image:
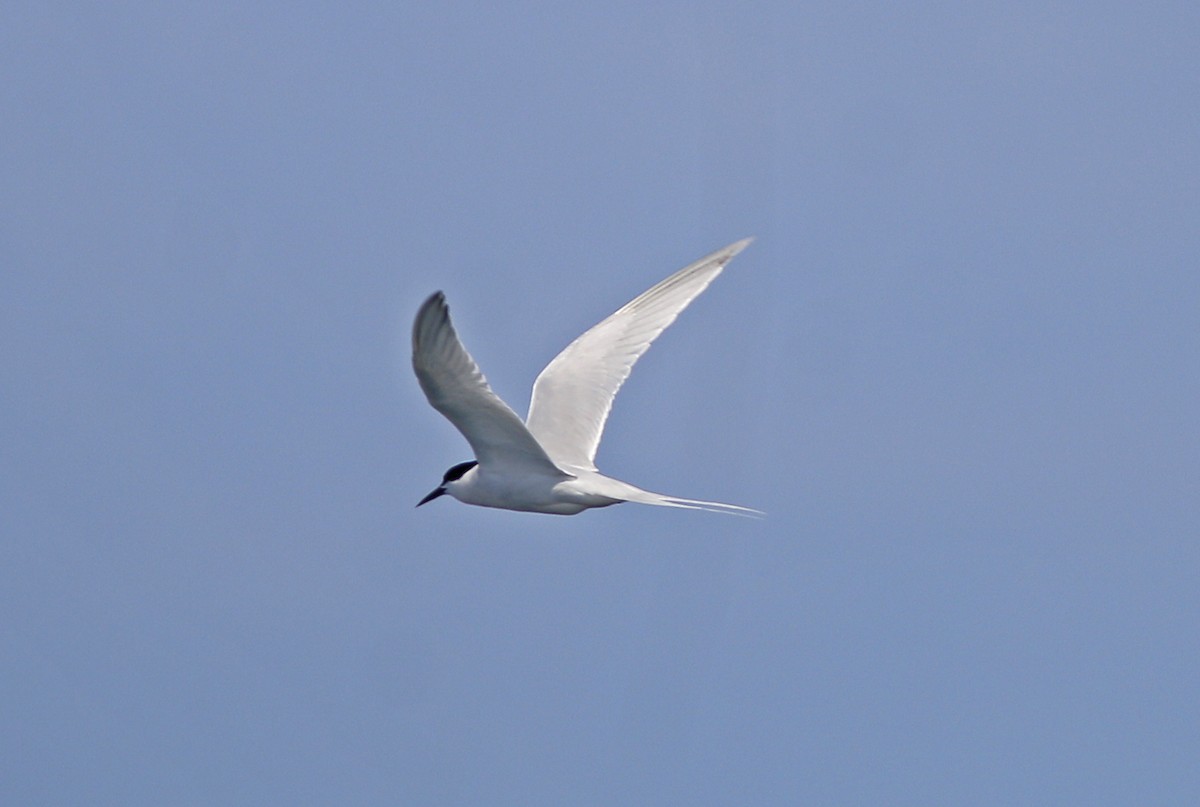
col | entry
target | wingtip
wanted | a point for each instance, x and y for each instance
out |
(433, 302)
(434, 309)
(738, 246)
(725, 255)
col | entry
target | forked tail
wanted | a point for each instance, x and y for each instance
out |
(646, 497)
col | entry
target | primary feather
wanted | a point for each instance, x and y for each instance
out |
(573, 395)
(455, 386)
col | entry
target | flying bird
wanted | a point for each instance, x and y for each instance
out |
(547, 463)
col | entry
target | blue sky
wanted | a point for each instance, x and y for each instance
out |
(958, 368)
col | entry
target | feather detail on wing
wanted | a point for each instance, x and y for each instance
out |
(573, 395)
(456, 387)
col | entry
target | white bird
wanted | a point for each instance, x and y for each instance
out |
(546, 464)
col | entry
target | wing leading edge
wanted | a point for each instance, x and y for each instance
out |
(573, 395)
(456, 387)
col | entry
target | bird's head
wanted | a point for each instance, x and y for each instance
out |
(451, 478)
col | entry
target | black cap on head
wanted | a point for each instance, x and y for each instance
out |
(457, 471)
(453, 475)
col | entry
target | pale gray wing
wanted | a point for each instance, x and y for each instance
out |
(573, 395)
(455, 387)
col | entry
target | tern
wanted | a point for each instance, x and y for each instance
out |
(547, 463)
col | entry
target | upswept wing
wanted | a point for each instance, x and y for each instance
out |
(455, 387)
(573, 395)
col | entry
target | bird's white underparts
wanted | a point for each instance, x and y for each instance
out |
(546, 464)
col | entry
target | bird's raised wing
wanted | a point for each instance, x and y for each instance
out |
(455, 387)
(573, 395)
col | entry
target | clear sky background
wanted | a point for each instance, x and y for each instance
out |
(959, 368)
